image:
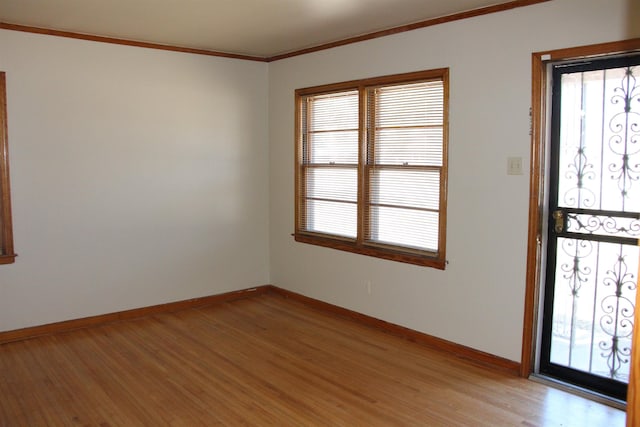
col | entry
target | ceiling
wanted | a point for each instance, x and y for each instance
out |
(260, 28)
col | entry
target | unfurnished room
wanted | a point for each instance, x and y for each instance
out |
(319, 213)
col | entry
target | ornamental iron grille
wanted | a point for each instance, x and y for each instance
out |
(594, 224)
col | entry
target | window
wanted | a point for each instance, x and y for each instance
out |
(371, 166)
(6, 235)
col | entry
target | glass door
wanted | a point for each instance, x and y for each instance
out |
(594, 224)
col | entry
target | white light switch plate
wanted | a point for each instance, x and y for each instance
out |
(514, 166)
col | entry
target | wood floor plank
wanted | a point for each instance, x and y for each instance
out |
(265, 360)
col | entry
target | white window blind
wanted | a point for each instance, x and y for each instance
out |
(330, 162)
(404, 164)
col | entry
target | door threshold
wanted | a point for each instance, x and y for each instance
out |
(580, 391)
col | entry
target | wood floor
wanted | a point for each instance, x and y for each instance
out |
(264, 361)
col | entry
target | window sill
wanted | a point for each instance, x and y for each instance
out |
(8, 259)
(373, 251)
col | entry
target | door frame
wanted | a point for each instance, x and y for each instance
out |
(538, 180)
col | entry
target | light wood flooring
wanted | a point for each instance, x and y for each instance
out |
(265, 361)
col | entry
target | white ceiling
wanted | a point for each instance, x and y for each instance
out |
(262, 28)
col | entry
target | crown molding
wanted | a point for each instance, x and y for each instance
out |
(369, 36)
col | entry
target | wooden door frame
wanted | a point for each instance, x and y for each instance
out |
(538, 168)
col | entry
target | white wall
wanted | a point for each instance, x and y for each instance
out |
(478, 300)
(138, 177)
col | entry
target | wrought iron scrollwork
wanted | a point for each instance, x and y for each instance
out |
(576, 272)
(618, 311)
(625, 126)
(579, 171)
(604, 225)
(617, 307)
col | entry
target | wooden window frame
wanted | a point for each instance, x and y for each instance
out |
(359, 245)
(7, 255)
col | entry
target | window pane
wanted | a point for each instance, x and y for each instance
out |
(407, 123)
(405, 227)
(415, 104)
(334, 147)
(330, 138)
(410, 146)
(333, 183)
(411, 188)
(333, 111)
(338, 218)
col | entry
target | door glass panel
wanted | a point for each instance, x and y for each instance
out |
(595, 291)
(600, 140)
(594, 202)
